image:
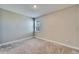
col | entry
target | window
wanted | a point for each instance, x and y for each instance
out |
(37, 26)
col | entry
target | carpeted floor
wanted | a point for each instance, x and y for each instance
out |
(35, 46)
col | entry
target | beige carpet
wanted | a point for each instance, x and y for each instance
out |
(35, 46)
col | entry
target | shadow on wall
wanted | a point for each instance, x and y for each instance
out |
(14, 26)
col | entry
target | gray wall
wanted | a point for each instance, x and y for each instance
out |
(61, 26)
(0, 28)
(14, 26)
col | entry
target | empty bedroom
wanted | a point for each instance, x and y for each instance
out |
(39, 28)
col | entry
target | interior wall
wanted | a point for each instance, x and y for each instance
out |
(14, 26)
(0, 28)
(78, 24)
(61, 26)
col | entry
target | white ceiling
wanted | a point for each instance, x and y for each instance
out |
(28, 10)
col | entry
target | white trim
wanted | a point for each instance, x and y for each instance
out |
(76, 48)
(15, 41)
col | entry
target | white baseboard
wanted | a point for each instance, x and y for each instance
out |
(76, 48)
(15, 41)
